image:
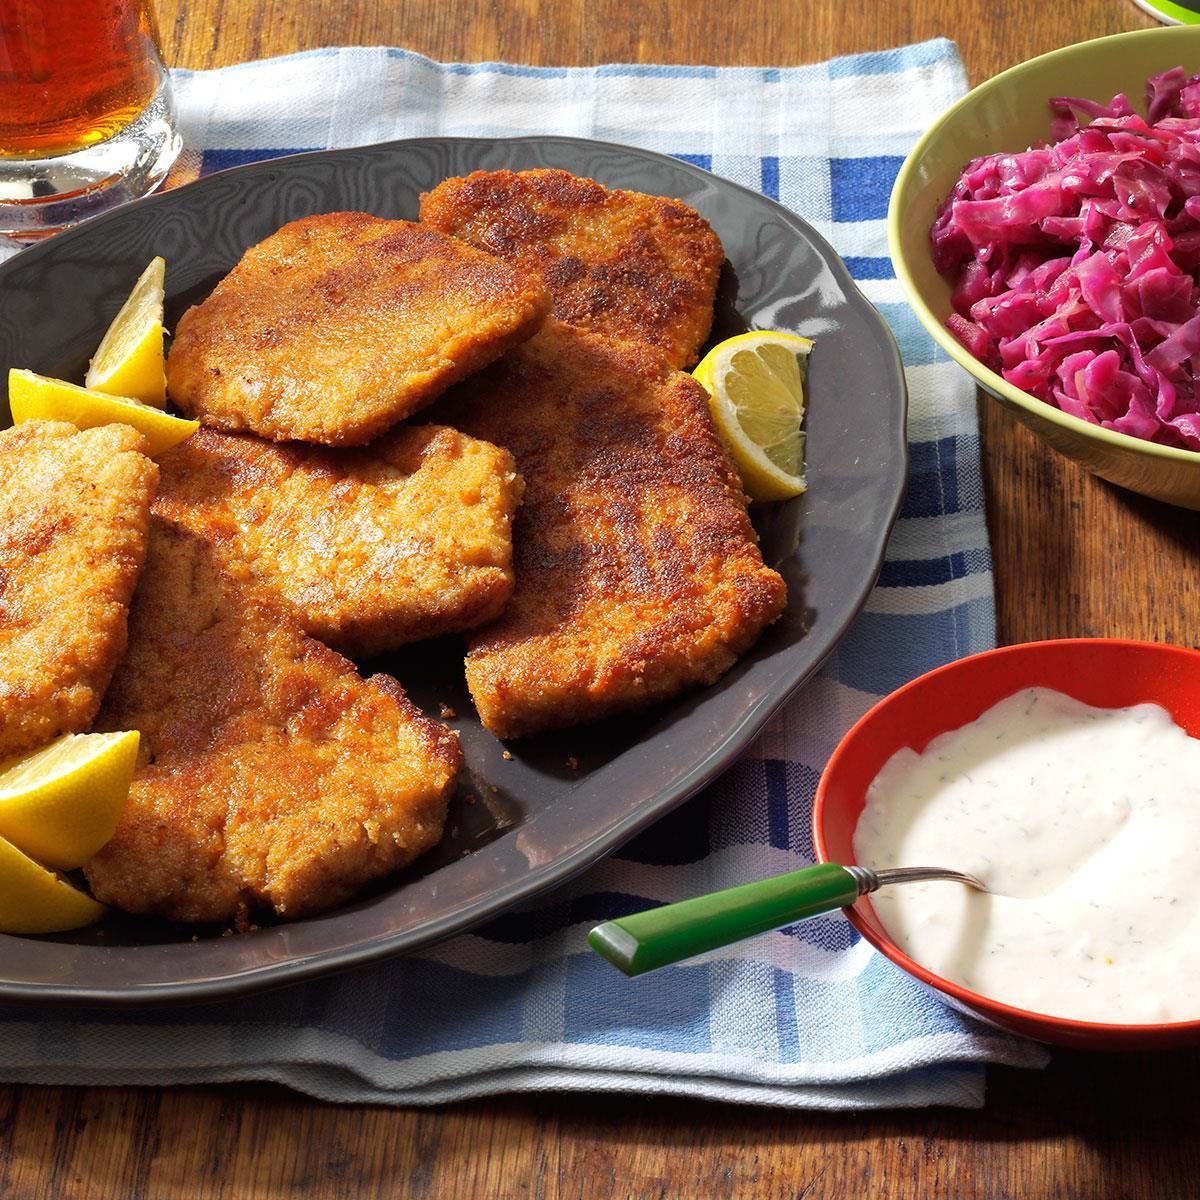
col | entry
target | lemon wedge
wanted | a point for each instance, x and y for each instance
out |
(60, 804)
(755, 383)
(129, 361)
(35, 397)
(34, 900)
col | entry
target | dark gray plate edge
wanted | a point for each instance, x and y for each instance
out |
(721, 755)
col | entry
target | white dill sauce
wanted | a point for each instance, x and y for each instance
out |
(1086, 822)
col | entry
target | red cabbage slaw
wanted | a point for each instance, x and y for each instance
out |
(1076, 263)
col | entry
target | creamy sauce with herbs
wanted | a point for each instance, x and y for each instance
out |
(1085, 822)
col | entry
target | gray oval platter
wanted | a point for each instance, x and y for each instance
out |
(564, 800)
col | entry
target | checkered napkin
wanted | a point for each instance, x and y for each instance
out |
(809, 1016)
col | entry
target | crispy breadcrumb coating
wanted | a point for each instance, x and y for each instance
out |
(74, 516)
(338, 326)
(617, 262)
(408, 538)
(638, 571)
(271, 773)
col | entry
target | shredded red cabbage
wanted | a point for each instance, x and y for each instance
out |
(1075, 263)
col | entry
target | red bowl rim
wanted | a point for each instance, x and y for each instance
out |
(1004, 1013)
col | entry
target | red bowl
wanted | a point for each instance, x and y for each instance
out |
(1104, 672)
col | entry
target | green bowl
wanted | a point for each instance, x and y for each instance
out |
(1010, 112)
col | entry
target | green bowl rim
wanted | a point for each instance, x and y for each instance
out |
(957, 351)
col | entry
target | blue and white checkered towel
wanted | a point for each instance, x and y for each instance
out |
(809, 1016)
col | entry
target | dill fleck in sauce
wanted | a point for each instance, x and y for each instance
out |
(1085, 822)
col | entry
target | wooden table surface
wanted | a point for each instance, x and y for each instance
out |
(1073, 556)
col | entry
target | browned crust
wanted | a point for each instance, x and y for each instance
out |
(337, 326)
(74, 515)
(372, 548)
(616, 262)
(638, 571)
(270, 773)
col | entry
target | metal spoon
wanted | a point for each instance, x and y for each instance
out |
(660, 936)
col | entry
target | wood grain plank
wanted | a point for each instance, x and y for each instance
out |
(208, 33)
(1078, 557)
(1115, 1128)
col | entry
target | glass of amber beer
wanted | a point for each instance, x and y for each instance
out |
(86, 120)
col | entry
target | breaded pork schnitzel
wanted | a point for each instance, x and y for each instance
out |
(617, 262)
(338, 326)
(270, 774)
(74, 515)
(638, 571)
(408, 538)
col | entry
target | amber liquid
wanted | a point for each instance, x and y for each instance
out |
(72, 72)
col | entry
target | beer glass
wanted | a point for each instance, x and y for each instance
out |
(86, 120)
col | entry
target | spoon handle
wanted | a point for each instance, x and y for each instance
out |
(659, 936)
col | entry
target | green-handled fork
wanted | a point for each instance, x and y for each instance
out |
(658, 937)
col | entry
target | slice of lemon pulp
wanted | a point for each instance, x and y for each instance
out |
(35, 397)
(129, 361)
(60, 804)
(34, 900)
(755, 383)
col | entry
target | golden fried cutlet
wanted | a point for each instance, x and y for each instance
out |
(638, 571)
(270, 773)
(74, 515)
(338, 326)
(406, 539)
(619, 263)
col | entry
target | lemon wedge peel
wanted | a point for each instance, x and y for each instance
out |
(60, 804)
(129, 361)
(35, 900)
(37, 397)
(755, 383)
